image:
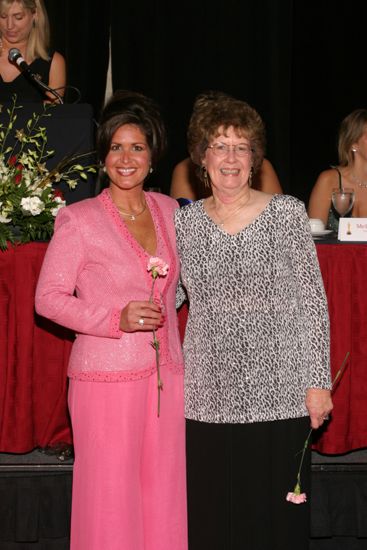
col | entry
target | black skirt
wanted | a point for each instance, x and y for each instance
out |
(238, 478)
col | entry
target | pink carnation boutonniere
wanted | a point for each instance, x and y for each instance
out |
(296, 496)
(158, 268)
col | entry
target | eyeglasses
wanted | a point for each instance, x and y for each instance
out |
(222, 149)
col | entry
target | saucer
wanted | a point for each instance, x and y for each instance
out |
(321, 233)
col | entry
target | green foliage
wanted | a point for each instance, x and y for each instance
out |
(28, 201)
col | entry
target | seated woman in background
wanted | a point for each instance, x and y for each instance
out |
(24, 25)
(186, 181)
(187, 184)
(351, 171)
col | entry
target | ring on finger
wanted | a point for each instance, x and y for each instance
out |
(141, 321)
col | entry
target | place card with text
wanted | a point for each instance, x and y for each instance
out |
(352, 229)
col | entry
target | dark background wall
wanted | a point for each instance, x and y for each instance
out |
(300, 63)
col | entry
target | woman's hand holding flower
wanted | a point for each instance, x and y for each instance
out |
(143, 316)
(319, 405)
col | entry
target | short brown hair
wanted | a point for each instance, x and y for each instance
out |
(214, 110)
(126, 107)
(351, 129)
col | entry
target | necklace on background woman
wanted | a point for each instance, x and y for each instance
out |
(360, 183)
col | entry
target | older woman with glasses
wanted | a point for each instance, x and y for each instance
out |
(256, 346)
(187, 184)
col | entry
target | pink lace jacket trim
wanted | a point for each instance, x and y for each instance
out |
(163, 242)
(122, 376)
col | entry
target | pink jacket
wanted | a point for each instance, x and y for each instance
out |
(93, 267)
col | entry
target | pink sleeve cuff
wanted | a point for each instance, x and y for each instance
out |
(115, 331)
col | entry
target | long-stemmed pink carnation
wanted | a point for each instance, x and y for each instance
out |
(158, 268)
(296, 496)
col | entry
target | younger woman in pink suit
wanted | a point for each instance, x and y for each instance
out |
(129, 490)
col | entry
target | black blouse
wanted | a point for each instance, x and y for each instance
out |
(26, 89)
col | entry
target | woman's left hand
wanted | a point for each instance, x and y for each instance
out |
(319, 405)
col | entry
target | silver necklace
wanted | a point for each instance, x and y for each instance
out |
(362, 184)
(132, 215)
(222, 221)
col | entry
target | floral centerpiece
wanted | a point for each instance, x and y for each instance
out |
(28, 201)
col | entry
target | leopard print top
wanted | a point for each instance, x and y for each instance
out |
(257, 334)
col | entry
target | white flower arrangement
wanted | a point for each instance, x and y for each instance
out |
(28, 201)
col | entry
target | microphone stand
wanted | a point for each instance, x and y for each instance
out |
(51, 90)
(16, 58)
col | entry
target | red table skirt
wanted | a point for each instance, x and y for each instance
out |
(344, 270)
(34, 353)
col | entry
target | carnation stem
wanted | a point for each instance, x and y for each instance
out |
(155, 345)
(297, 488)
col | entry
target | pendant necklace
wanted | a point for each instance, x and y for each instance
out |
(360, 183)
(223, 220)
(132, 216)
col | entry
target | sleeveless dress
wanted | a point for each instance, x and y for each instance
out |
(26, 89)
(333, 218)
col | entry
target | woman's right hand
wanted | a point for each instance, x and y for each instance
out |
(143, 316)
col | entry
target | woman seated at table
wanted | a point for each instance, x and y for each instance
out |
(351, 171)
(186, 181)
(187, 184)
(24, 25)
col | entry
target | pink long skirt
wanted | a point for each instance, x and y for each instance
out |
(129, 482)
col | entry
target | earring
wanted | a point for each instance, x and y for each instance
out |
(354, 150)
(205, 177)
(150, 170)
(104, 169)
(249, 181)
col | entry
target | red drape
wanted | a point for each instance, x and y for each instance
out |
(34, 354)
(344, 270)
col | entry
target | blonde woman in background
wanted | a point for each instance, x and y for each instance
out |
(24, 25)
(351, 171)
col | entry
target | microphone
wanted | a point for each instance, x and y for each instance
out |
(16, 58)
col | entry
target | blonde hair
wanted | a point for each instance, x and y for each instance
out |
(39, 37)
(351, 129)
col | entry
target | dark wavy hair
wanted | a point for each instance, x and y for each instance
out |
(127, 107)
(216, 110)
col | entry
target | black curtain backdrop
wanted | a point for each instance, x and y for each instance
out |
(300, 63)
(80, 31)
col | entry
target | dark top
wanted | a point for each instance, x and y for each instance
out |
(26, 89)
(333, 218)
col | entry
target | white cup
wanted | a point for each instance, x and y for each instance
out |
(316, 225)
